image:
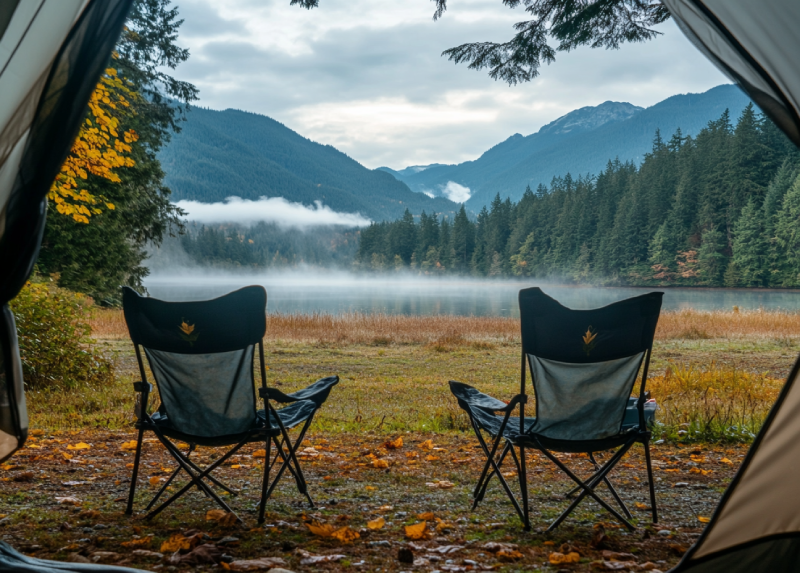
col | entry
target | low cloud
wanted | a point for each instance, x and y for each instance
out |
(456, 193)
(270, 210)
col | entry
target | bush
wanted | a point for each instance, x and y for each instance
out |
(54, 341)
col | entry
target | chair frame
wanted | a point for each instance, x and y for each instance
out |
(519, 438)
(197, 474)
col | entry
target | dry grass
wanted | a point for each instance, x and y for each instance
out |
(385, 329)
(713, 402)
(406, 360)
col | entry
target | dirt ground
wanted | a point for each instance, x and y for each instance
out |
(64, 498)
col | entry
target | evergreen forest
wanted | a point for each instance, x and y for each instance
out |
(266, 245)
(717, 209)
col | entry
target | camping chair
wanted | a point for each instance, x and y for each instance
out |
(201, 355)
(584, 365)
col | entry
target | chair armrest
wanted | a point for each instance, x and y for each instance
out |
(277, 395)
(476, 399)
(142, 386)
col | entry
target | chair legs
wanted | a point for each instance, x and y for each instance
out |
(289, 459)
(135, 473)
(650, 481)
(588, 487)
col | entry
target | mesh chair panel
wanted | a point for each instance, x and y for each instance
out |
(206, 395)
(582, 401)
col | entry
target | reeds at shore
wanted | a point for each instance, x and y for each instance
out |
(384, 329)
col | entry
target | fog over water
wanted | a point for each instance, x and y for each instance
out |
(337, 292)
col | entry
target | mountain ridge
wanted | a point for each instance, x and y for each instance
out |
(219, 154)
(580, 142)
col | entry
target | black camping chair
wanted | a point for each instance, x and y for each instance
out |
(584, 364)
(201, 355)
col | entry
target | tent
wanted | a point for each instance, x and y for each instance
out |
(756, 527)
(52, 53)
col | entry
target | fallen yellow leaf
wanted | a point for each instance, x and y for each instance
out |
(380, 464)
(141, 542)
(79, 446)
(427, 516)
(128, 445)
(417, 531)
(345, 534)
(260, 453)
(443, 484)
(557, 558)
(154, 481)
(175, 543)
(370, 488)
(236, 466)
(427, 445)
(222, 517)
(376, 523)
(703, 519)
(386, 508)
(67, 456)
(431, 458)
(726, 461)
(394, 444)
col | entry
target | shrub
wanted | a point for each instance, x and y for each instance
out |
(54, 341)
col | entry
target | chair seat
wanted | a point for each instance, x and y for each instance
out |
(291, 416)
(538, 441)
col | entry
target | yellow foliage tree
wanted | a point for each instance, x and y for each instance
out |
(98, 150)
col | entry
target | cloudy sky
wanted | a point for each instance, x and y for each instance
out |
(366, 76)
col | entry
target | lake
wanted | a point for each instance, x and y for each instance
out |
(339, 292)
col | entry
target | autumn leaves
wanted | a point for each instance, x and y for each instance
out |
(99, 149)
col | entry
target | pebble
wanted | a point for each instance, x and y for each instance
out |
(382, 543)
(665, 533)
(681, 484)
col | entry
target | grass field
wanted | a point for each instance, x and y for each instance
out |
(715, 375)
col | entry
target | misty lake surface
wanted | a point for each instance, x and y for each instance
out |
(338, 292)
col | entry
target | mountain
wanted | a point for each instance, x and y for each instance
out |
(219, 154)
(579, 142)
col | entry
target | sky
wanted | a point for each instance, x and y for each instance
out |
(367, 76)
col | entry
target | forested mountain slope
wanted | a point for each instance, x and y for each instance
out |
(717, 209)
(219, 154)
(580, 142)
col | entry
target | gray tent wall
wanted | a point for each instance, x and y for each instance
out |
(756, 527)
(52, 53)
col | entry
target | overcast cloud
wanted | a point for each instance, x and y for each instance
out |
(367, 77)
(269, 210)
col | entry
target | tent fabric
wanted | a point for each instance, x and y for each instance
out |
(753, 43)
(52, 53)
(12, 560)
(756, 526)
(758, 515)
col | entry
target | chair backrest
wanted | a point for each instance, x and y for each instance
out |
(584, 363)
(201, 356)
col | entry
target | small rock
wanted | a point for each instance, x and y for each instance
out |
(681, 484)
(228, 541)
(101, 526)
(99, 556)
(382, 543)
(665, 533)
(87, 530)
(76, 558)
(405, 555)
(279, 570)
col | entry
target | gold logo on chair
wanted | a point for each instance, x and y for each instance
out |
(187, 332)
(589, 341)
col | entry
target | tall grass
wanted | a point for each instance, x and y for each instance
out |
(383, 329)
(408, 359)
(712, 402)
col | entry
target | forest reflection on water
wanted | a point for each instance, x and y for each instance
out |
(339, 292)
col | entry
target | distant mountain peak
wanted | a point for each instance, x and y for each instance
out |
(591, 117)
